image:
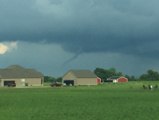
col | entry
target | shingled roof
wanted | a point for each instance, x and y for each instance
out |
(83, 73)
(16, 71)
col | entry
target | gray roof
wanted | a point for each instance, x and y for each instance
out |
(16, 71)
(83, 73)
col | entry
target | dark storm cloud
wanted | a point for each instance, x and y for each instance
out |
(125, 26)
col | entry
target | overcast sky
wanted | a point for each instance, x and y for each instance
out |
(54, 36)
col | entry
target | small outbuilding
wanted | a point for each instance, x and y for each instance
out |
(116, 79)
(16, 75)
(80, 77)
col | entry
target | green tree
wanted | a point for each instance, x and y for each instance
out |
(100, 72)
(49, 79)
(131, 78)
(59, 79)
(150, 75)
(106, 73)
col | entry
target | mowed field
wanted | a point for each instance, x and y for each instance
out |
(105, 102)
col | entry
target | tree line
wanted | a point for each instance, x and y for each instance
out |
(150, 75)
(50, 79)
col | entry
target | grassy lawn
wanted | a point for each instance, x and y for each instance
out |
(105, 102)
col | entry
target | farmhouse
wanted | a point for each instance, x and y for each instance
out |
(19, 76)
(80, 77)
(116, 79)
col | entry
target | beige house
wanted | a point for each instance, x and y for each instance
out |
(20, 76)
(80, 77)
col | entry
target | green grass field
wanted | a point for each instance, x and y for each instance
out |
(105, 102)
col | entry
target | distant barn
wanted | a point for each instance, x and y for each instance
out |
(20, 76)
(116, 79)
(80, 77)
